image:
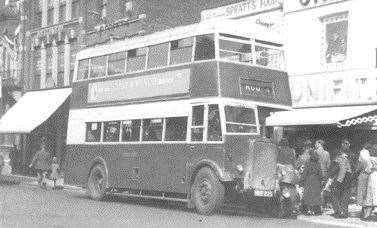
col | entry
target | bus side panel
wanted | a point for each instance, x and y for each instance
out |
(250, 82)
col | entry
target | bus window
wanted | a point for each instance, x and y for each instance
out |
(83, 70)
(176, 129)
(205, 47)
(158, 55)
(136, 59)
(93, 132)
(240, 120)
(269, 57)
(235, 51)
(181, 50)
(116, 64)
(197, 125)
(98, 67)
(214, 127)
(152, 129)
(131, 130)
(111, 131)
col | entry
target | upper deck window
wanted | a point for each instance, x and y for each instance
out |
(83, 69)
(158, 55)
(181, 50)
(269, 56)
(116, 64)
(240, 120)
(205, 47)
(98, 67)
(136, 59)
(235, 51)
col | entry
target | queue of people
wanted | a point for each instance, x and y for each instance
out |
(327, 182)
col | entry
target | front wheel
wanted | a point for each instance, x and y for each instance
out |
(97, 182)
(207, 191)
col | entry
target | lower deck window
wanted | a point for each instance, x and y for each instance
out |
(176, 129)
(93, 132)
(214, 126)
(152, 129)
(111, 131)
(131, 130)
(240, 120)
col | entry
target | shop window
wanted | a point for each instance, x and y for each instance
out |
(176, 129)
(93, 132)
(197, 125)
(83, 69)
(235, 51)
(181, 51)
(205, 47)
(98, 67)
(214, 125)
(152, 129)
(131, 130)
(111, 131)
(136, 59)
(158, 55)
(335, 29)
(116, 64)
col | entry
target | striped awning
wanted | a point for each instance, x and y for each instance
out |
(359, 120)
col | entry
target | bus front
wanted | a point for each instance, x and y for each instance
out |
(253, 83)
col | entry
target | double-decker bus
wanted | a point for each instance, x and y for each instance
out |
(178, 115)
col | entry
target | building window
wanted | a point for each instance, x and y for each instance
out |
(335, 34)
(50, 16)
(62, 9)
(36, 68)
(50, 82)
(60, 65)
(38, 19)
(75, 9)
(126, 8)
(93, 132)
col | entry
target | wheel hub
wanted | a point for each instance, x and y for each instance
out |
(205, 190)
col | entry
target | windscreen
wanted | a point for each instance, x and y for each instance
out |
(240, 119)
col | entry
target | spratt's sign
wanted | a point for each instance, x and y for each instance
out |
(241, 9)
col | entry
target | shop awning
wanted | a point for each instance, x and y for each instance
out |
(32, 109)
(340, 116)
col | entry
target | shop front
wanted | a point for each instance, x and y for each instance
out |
(37, 114)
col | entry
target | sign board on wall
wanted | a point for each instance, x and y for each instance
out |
(160, 84)
(338, 88)
(241, 9)
(296, 5)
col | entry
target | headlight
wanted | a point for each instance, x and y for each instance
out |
(239, 168)
(283, 173)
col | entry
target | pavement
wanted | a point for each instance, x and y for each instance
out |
(324, 219)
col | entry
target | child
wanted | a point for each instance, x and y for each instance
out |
(54, 171)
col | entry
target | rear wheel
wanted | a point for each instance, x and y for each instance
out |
(207, 191)
(97, 182)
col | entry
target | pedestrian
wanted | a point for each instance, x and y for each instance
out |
(324, 161)
(2, 162)
(371, 194)
(13, 156)
(362, 172)
(41, 162)
(311, 180)
(55, 169)
(340, 175)
(286, 154)
(304, 157)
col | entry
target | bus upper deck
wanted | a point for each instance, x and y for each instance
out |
(201, 60)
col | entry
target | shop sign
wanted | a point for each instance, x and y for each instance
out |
(241, 9)
(334, 89)
(160, 84)
(256, 88)
(50, 31)
(295, 5)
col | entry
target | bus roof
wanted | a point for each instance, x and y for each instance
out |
(226, 26)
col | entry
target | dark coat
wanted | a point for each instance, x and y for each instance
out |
(311, 180)
(42, 160)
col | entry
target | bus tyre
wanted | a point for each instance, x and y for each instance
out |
(207, 191)
(97, 182)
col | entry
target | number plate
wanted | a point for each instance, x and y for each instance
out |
(263, 193)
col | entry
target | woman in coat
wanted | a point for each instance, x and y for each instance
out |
(363, 170)
(311, 180)
(371, 194)
(42, 163)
